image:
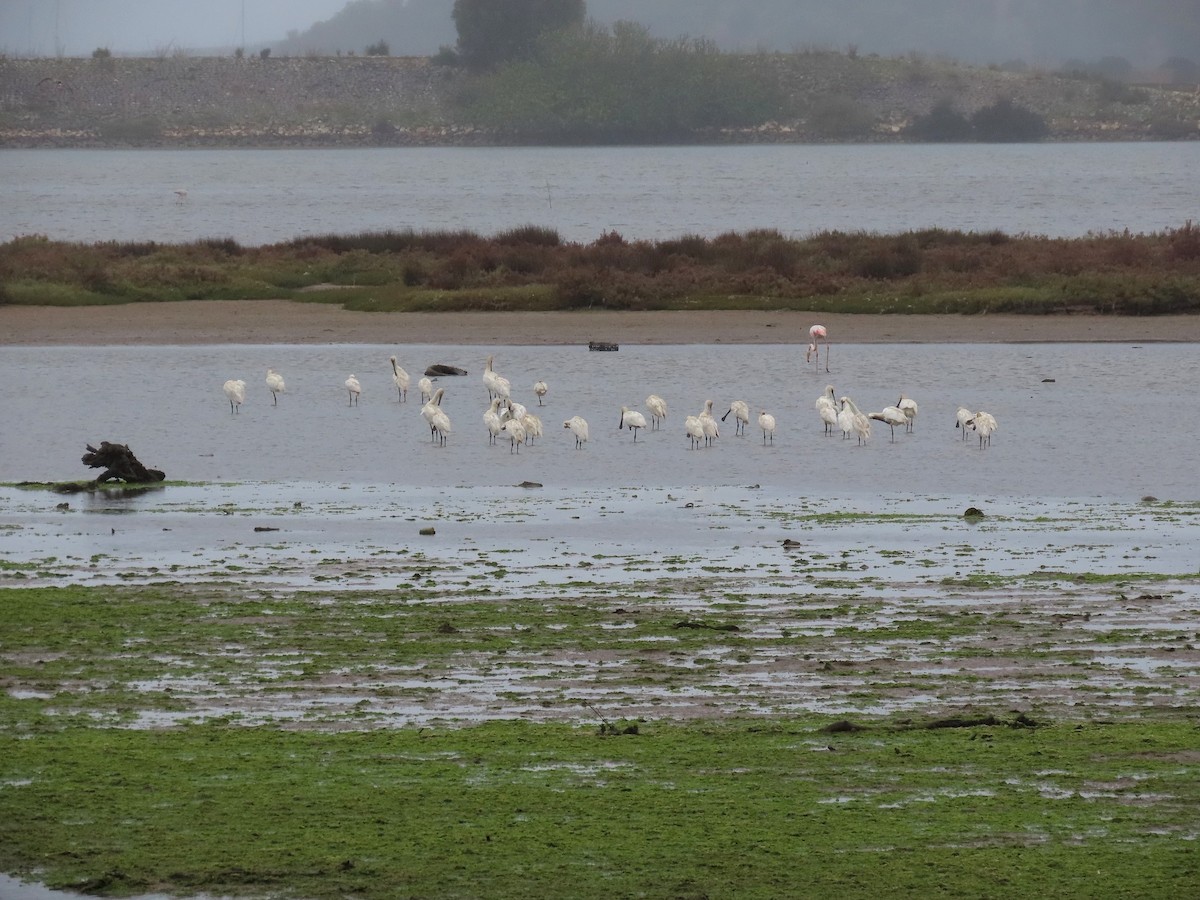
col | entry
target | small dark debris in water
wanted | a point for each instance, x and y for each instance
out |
(119, 464)
(973, 512)
(790, 544)
(265, 528)
(530, 484)
(688, 505)
(842, 726)
(63, 505)
(447, 628)
(297, 505)
(428, 531)
(440, 369)
(602, 345)
(1149, 498)
(1047, 381)
(692, 623)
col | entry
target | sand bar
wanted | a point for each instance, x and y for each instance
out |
(287, 322)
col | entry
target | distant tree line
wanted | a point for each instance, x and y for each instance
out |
(1001, 122)
(592, 84)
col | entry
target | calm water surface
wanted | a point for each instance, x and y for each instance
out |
(1076, 420)
(263, 196)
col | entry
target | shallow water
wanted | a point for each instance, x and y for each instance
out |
(1075, 420)
(347, 490)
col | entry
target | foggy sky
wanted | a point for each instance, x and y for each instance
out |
(77, 27)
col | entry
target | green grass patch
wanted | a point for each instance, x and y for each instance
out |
(748, 810)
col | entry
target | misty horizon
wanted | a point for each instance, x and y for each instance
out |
(1045, 34)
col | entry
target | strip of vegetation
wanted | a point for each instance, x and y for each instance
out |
(530, 268)
(746, 809)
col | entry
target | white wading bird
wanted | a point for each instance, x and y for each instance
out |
(851, 418)
(400, 379)
(961, 418)
(354, 388)
(658, 410)
(235, 390)
(741, 416)
(708, 424)
(425, 386)
(497, 385)
(631, 419)
(491, 420)
(515, 429)
(892, 416)
(274, 385)
(983, 424)
(766, 422)
(578, 427)
(909, 405)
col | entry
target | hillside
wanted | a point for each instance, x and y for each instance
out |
(363, 101)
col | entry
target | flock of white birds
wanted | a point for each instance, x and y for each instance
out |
(505, 418)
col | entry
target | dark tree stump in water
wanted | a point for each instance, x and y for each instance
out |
(119, 464)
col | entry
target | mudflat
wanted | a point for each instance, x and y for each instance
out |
(289, 322)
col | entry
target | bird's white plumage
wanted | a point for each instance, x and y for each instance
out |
(235, 390)
(891, 416)
(741, 415)
(515, 429)
(851, 418)
(430, 410)
(425, 386)
(633, 420)
(400, 378)
(766, 422)
(578, 426)
(497, 385)
(658, 409)
(961, 418)
(708, 424)
(491, 420)
(983, 424)
(274, 384)
(910, 408)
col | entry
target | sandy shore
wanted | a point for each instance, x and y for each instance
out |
(286, 322)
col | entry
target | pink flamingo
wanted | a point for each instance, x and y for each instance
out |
(815, 333)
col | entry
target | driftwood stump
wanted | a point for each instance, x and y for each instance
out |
(119, 464)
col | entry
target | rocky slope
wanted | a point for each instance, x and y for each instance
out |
(352, 101)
